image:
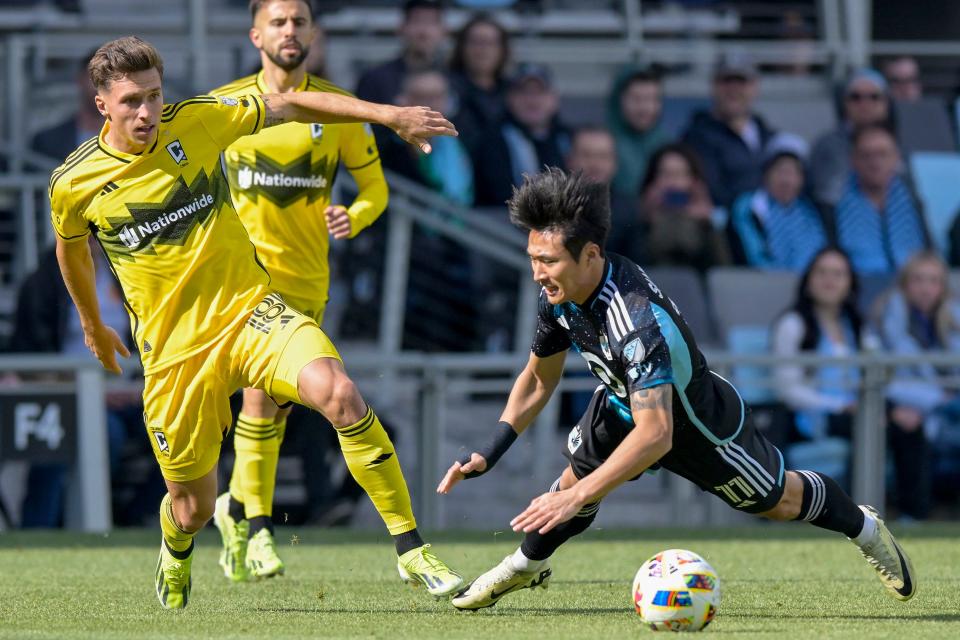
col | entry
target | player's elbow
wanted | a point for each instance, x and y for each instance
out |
(663, 445)
(662, 439)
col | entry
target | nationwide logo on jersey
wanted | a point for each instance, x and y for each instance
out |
(284, 184)
(169, 222)
(316, 131)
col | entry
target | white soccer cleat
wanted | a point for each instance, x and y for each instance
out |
(487, 589)
(888, 558)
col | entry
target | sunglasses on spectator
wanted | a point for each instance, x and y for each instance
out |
(856, 96)
(904, 79)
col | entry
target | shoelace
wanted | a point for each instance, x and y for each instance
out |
(498, 574)
(174, 575)
(264, 543)
(432, 561)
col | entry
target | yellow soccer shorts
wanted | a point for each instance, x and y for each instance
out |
(187, 405)
(307, 306)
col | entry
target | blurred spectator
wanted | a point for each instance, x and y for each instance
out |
(879, 220)
(777, 226)
(823, 319)
(593, 153)
(633, 115)
(674, 225)
(481, 53)
(865, 102)
(46, 321)
(529, 138)
(446, 169)
(422, 33)
(903, 76)
(924, 431)
(730, 138)
(800, 41)
(59, 141)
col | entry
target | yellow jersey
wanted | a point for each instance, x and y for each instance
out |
(281, 180)
(165, 220)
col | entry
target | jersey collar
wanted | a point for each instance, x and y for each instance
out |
(116, 153)
(263, 88)
(608, 268)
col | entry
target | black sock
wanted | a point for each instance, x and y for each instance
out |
(537, 546)
(825, 505)
(179, 555)
(236, 509)
(407, 540)
(261, 522)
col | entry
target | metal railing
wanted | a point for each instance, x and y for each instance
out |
(441, 379)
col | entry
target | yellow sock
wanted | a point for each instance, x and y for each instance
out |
(373, 463)
(173, 534)
(254, 476)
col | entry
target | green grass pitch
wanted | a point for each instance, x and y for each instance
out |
(778, 581)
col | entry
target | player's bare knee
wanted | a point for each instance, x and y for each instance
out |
(788, 507)
(335, 396)
(258, 404)
(192, 514)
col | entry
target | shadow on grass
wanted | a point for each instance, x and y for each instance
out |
(929, 617)
(502, 612)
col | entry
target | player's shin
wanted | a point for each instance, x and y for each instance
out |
(537, 547)
(257, 445)
(177, 539)
(373, 463)
(826, 505)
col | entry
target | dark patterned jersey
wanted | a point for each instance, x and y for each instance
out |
(632, 337)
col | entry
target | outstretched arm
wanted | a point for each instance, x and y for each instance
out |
(649, 440)
(531, 391)
(414, 124)
(76, 265)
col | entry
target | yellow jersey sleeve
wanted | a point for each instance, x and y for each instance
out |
(362, 159)
(65, 214)
(226, 118)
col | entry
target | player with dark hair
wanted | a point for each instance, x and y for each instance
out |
(151, 188)
(659, 404)
(281, 181)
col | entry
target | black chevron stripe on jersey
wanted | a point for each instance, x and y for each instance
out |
(110, 187)
(174, 109)
(78, 156)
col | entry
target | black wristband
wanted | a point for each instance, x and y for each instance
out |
(503, 437)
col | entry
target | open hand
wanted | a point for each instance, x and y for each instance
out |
(105, 344)
(547, 511)
(338, 222)
(457, 471)
(417, 124)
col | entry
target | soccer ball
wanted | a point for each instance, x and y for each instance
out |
(676, 590)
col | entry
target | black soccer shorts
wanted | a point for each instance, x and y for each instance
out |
(746, 472)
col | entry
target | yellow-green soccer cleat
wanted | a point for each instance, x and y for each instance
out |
(420, 566)
(262, 558)
(487, 589)
(173, 579)
(888, 559)
(233, 556)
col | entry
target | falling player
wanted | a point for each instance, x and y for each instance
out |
(659, 405)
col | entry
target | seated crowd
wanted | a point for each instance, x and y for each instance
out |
(729, 190)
